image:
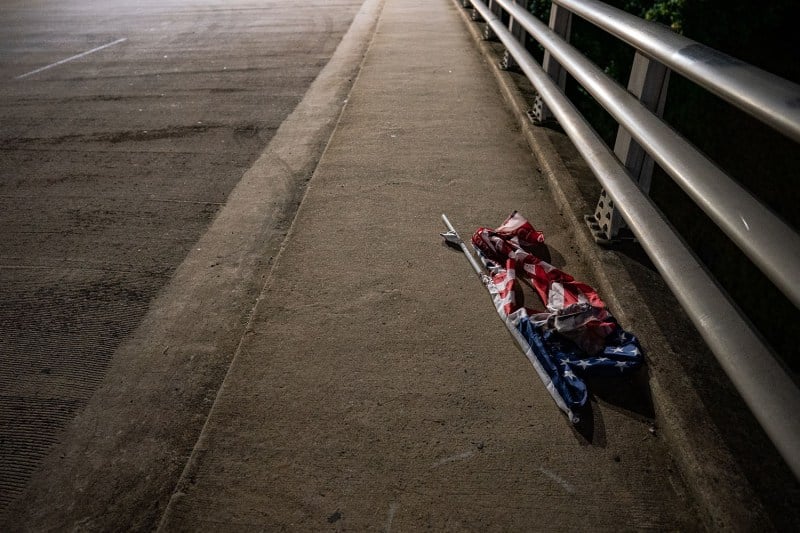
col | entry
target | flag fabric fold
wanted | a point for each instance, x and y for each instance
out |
(575, 336)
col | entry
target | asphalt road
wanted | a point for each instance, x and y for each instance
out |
(123, 129)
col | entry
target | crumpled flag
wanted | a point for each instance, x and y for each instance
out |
(575, 336)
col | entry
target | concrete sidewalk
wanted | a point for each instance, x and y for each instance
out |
(376, 388)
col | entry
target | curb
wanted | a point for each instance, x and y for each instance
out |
(724, 497)
(326, 99)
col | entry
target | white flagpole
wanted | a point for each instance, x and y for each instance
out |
(453, 237)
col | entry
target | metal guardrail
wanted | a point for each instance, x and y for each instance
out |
(762, 381)
(769, 98)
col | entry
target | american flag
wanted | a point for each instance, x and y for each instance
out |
(575, 336)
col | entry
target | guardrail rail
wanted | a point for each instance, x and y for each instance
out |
(644, 139)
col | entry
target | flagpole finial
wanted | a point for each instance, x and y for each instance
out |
(451, 237)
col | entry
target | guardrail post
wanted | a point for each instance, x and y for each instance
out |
(476, 16)
(561, 23)
(517, 31)
(648, 82)
(494, 7)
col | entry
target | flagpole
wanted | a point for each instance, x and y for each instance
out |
(453, 237)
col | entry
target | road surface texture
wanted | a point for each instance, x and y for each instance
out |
(124, 127)
(376, 388)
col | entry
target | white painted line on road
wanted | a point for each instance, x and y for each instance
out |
(70, 59)
(390, 518)
(555, 477)
(459, 457)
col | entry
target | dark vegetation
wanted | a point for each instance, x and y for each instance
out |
(763, 161)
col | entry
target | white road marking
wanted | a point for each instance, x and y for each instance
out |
(555, 477)
(390, 518)
(460, 456)
(70, 58)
